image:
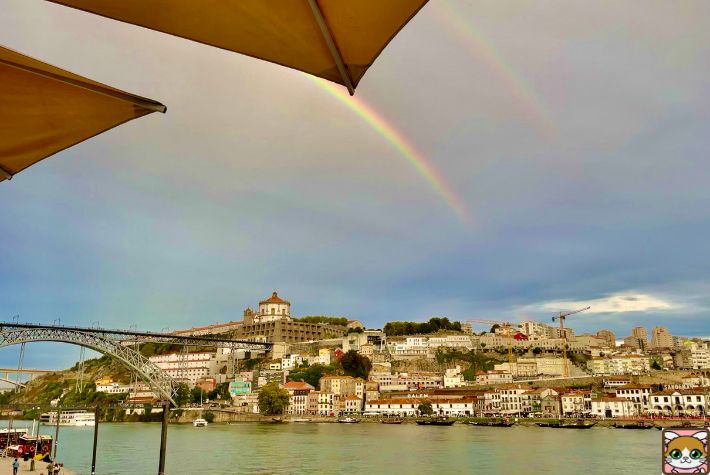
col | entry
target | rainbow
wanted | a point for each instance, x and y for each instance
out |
(485, 51)
(400, 143)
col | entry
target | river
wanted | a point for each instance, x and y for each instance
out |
(367, 448)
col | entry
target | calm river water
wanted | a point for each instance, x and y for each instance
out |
(361, 449)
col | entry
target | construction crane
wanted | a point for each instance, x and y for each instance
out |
(563, 334)
(506, 331)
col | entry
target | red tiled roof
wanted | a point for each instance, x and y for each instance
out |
(275, 299)
(297, 385)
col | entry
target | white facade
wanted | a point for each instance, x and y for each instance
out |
(639, 395)
(494, 377)
(291, 361)
(536, 330)
(511, 400)
(693, 357)
(273, 308)
(113, 388)
(613, 407)
(618, 365)
(410, 407)
(690, 402)
(188, 367)
(572, 403)
(451, 341)
(453, 378)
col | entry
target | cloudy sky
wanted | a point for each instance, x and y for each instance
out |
(574, 137)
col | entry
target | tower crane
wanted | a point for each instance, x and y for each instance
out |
(506, 331)
(563, 334)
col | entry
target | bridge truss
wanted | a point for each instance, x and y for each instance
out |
(120, 344)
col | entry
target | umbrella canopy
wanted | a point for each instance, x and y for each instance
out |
(44, 109)
(333, 39)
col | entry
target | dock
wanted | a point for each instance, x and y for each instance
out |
(40, 467)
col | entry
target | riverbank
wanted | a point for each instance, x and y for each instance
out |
(227, 417)
(40, 467)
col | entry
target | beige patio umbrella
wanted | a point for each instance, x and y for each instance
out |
(336, 40)
(44, 109)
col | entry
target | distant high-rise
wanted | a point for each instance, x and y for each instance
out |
(641, 337)
(661, 338)
(608, 336)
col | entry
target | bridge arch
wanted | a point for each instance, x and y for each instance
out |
(158, 380)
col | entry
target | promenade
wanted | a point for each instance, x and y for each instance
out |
(40, 467)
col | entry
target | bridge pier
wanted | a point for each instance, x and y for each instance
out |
(163, 438)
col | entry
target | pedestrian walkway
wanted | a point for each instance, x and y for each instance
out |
(40, 467)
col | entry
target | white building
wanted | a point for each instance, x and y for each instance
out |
(271, 309)
(494, 377)
(403, 407)
(291, 361)
(453, 378)
(187, 367)
(411, 347)
(689, 402)
(537, 330)
(450, 341)
(619, 365)
(511, 400)
(693, 356)
(606, 407)
(113, 388)
(572, 403)
(298, 392)
(639, 394)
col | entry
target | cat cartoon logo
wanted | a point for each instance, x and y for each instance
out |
(685, 450)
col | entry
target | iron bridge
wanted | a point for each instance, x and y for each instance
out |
(120, 344)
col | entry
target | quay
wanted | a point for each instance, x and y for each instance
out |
(40, 467)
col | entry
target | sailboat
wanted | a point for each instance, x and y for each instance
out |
(200, 422)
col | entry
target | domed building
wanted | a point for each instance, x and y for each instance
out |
(274, 308)
(271, 309)
(272, 322)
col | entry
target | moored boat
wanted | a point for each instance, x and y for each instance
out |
(391, 421)
(494, 423)
(435, 421)
(348, 420)
(633, 425)
(579, 424)
(301, 419)
(75, 418)
(199, 422)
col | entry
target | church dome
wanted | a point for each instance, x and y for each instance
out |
(275, 299)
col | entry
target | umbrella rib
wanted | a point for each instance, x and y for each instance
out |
(139, 101)
(5, 174)
(332, 47)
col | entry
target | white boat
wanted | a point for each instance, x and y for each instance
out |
(200, 422)
(75, 418)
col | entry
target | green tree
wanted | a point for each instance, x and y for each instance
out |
(197, 395)
(537, 350)
(356, 365)
(182, 394)
(655, 365)
(312, 374)
(273, 399)
(425, 408)
(209, 417)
